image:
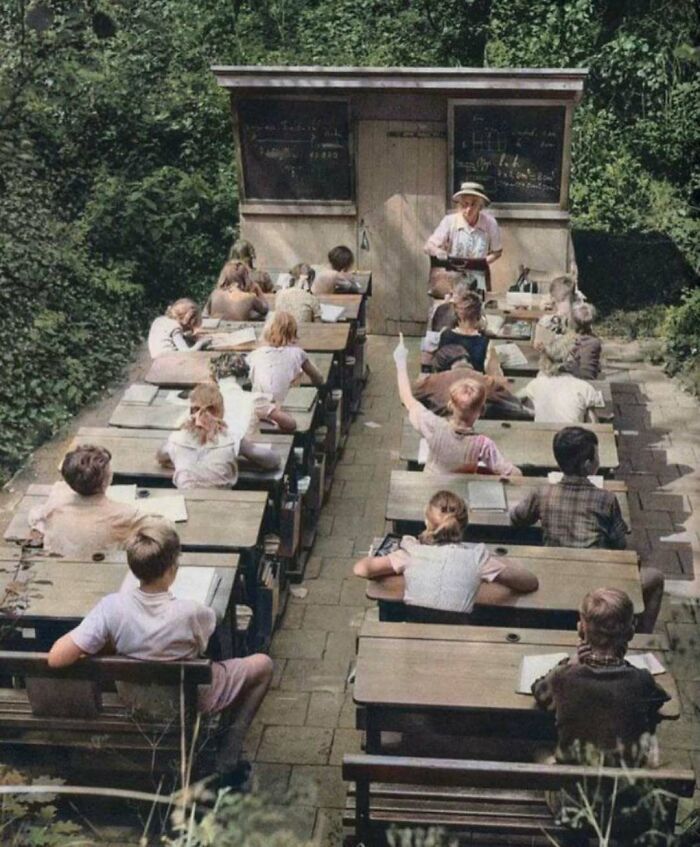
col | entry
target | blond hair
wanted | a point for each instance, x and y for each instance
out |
(244, 251)
(459, 406)
(446, 517)
(206, 418)
(153, 548)
(186, 312)
(608, 616)
(556, 354)
(234, 274)
(582, 317)
(562, 289)
(280, 330)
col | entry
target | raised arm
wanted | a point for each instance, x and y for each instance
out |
(402, 378)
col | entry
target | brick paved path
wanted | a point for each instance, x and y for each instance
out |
(306, 723)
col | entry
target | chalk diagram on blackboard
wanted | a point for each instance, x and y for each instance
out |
(514, 151)
(295, 150)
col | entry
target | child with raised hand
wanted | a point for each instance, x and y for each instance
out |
(575, 513)
(173, 331)
(78, 519)
(584, 361)
(203, 453)
(148, 622)
(557, 395)
(453, 446)
(442, 572)
(606, 709)
(280, 361)
(336, 279)
(297, 298)
(236, 297)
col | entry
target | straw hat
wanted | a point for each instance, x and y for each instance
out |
(475, 188)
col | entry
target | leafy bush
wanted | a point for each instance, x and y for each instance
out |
(682, 333)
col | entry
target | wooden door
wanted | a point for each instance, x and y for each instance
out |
(401, 199)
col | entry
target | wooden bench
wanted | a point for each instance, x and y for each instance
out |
(498, 802)
(76, 709)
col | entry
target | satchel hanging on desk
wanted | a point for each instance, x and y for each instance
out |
(523, 284)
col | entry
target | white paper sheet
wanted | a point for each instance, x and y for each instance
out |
(494, 323)
(331, 313)
(121, 493)
(140, 393)
(511, 355)
(423, 451)
(172, 507)
(535, 666)
(646, 662)
(191, 583)
(239, 337)
(553, 477)
(210, 323)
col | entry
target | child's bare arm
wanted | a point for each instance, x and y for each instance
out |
(163, 457)
(373, 567)
(264, 457)
(64, 652)
(402, 378)
(518, 578)
(313, 373)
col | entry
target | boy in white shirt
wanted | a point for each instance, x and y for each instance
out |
(559, 397)
(150, 623)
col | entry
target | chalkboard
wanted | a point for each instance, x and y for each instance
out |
(295, 150)
(514, 151)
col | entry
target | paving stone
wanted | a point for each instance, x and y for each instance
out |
(313, 567)
(324, 708)
(318, 785)
(333, 618)
(341, 645)
(284, 707)
(337, 567)
(277, 671)
(296, 745)
(347, 719)
(314, 675)
(252, 740)
(293, 616)
(329, 828)
(334, 545)
(353, 593)
(298, 644)
(271, 780)
(345, 741)
(321, 590)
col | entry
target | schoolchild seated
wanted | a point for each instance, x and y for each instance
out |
(297, 298)
(453, 446)
(584, 361)
(236, 297)
(442, 572)
(174, 331)
(78, 519)
(148, 622)
(562, 293)
(575, 513)
(336, 279)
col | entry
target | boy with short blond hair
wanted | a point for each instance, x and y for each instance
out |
(606, 709)
(148, 622)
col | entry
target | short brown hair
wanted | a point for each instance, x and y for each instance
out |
(152, 549)
(582, 317)
(86, 469)
(341, 258)
(264, 280)
(300, 270)
(242, 250)
(573, 446)
(608, 615)
(280, 330)
(467, 305)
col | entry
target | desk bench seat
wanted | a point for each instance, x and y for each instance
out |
(36, 716)
(503, 802)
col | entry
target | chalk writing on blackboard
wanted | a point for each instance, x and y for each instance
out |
(295, 150)
(514, 151)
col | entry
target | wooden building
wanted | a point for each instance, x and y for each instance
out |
(369, 158)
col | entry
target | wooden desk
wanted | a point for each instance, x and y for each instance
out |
(514, 313)
(60, 592)
(565, 576)
(184, 370)
(464, 677)
(410, 491)
(351, 303)
(134, 454)
(160, 413)
(217, 521)
(313, 337)
(525, 443)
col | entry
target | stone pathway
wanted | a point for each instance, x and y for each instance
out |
(307, 721)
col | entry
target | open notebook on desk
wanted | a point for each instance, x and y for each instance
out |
(198, 584)
(536, 666)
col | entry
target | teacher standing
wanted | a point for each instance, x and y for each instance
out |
(465, 243)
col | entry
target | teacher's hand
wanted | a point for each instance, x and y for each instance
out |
(401, 352)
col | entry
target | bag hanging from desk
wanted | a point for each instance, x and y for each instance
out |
(523, 284)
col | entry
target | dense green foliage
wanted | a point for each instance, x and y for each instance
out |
(117, 188)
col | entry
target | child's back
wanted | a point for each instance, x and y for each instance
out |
(303, 305)
(274, 369)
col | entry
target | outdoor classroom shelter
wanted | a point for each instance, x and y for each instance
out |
(370, 157)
